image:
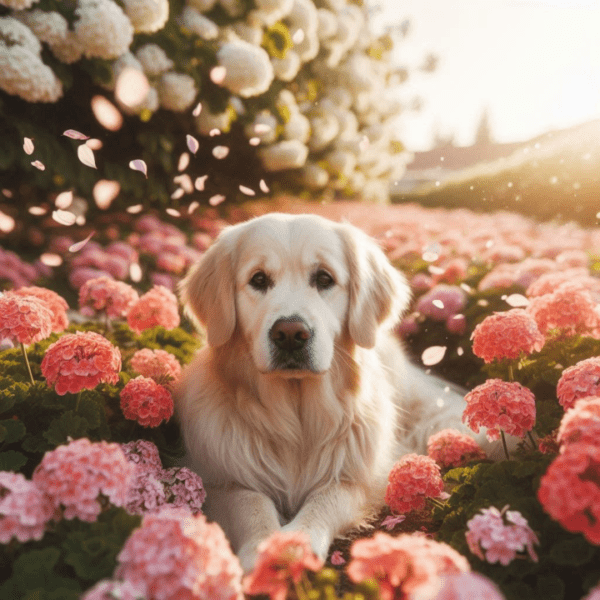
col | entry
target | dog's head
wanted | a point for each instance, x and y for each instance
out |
(291, 286)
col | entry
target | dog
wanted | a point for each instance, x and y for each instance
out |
(302, 400)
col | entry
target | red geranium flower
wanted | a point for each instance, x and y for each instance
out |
(581, 423)
(579, 381)
(24, 319)
(57, 304)
(147, 402)
(156, 307)
(159, 365)
(105, 294)
(451, 448)
(80, 361)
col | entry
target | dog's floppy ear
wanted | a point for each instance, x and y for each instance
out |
(208, 290)
(379, 293)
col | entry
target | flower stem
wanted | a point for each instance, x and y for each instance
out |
(437, 503)
(78, 400)
(511, 374)
(504, 444)
(300, 588)
(27, 363)
(532, 440)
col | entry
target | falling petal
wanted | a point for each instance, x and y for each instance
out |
(28, 145)
(217, 74)
(184, 181)
(106, 113)
(262, 128)
(131, 87)
(220, 152)
(216, 199)
(466, 287)
(7, 193)
(94, 144)
(139, 165)
(80, 220)
(184, 161)
(177, 194)
(135, 272)
(51, 260)
(197, 110)
(75, 135)
(254, 141)
(246, 190)
(86, 156)
(263, 186)
(64, 217)
(135, 209)
(79, 245)
(214, 132)
(517, 300)
(392, 520)
(192, 144)
(199, 183)
(298, 36)
(193, 206)
(37, 211)
(64, 200)
(173, 212)
(433, 355)
(337, 558)
(39, 165)
(105, 191)
(7, 223)
(437, 303)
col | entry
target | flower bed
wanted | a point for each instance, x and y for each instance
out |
(93, 505)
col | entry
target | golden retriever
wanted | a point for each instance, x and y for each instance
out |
(302, 400)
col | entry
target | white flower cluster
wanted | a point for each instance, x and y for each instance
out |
(332, 126)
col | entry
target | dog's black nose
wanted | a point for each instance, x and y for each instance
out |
(290, 334)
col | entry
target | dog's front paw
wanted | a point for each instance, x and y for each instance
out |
(248, 555)
(319, 540)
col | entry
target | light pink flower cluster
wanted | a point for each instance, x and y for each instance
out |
(506, 335)
(154, 487)
(570, 489)
(147, 402)
(57, 304)
(451, 448)
(569, 309)
(24, 508)
(497, 536)
(579, 381)
(112, 589)
(159, 365)
(115, 298)
(80, 361)
(412, 480)
(549, 282)
(15, 270)
(93, 261)
(593, 594)
(156, 307)
(500, 405)
(442, 302)
(24, 319)
(463, 586)
(175, 555)
(282, 558)
(403, 565)
(581, 423)
(78, 474)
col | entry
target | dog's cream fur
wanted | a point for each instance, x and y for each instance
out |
(306, 446)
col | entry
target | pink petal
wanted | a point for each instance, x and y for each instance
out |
(64, 217)
(217, 74)
(392, 520)
(39, 165)
(433, 355)
(64, 200)
(192, 143)
(255, 141)
(199, 183)
(135, 209)
(86, 156)
(516, 300)
(263, 186)
(139, 165)
(246, 190)
(79, 245)
(28, 145)
(216, 199)
(193, 206)
(51, 260)
(184, 161)
(197, 110)
(173, 212)
(75, 135)
(337, 558)
(220, 152)
(214, 132)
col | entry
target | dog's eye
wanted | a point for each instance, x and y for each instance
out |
(323, 280)
(260, 281)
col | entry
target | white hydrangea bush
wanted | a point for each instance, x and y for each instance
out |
(306, 81)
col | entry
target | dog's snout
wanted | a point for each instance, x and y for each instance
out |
(290, 334)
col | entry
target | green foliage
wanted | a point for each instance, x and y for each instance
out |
(568, 565)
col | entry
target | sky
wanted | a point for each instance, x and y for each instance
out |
(533, 65)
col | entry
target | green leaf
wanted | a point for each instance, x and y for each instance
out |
(11, 431)
(550, 587)
(36, 444)
(572, 552)
(11, 460)
(7, 401)
(68, 424)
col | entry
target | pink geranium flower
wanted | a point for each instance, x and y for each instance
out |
(403, 565)
(76, 474)
(144, 454)
(156, 307)
(579, 381)
(57, 304)
(451, 448)
(183, 488)
(464, 586)
(500, 405)
(570, 490)
(581, 423)
(569, 309)
(549, 282)
(145, 401)
(506, 335)
(497, 536)
(282, 558)
(112, 589)
(24, 319)
(115, 298)
(593, 594)
(80, 361)
(412, 480)
(159, 365)
(24, 508)
(175, 555)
